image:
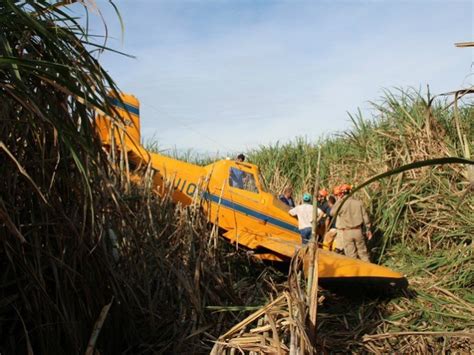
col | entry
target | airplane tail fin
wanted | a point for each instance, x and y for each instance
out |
(125, 131)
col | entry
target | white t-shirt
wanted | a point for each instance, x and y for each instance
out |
(304, 213)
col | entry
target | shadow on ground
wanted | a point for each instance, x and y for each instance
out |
(345, 317)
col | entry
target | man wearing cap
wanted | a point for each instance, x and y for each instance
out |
(350, 218)
(304, 212)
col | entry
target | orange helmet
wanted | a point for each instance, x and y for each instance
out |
(345, 188)
(323, 193)
(337, 190)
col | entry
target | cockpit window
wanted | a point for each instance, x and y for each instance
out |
(242, 180)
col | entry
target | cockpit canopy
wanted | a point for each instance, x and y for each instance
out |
(238, 175)
(242, 179)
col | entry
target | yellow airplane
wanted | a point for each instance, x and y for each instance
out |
(234, 198)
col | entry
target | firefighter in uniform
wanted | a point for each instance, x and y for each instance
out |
(350, 219)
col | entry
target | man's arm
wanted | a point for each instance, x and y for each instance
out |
(365, 216)
(293, 212)
(232, 177)
(327, 222)
(367, 224)
(335, 208)
(321, 214)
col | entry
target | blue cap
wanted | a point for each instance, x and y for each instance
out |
(306, 197)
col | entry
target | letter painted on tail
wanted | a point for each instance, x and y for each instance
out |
(191, 189)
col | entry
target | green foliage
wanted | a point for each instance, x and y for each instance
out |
(75, 236)
(55, 184)
(403, 131)
(424, 217)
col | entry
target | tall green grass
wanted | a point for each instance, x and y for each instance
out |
(424, 217)
(88, 262)
(404, 130)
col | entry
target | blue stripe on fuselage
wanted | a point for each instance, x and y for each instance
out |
(130, 108)
(250, 212)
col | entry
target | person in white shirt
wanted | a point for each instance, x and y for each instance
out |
(304, 212)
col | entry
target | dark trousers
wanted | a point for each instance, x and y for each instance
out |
(305, 235)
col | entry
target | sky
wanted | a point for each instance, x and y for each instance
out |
(222, 77)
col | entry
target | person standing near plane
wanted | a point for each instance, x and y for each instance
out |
(323, 206)
(304, 213)
(351, 216)
(332, 240)
(287, 197)
(322, 201)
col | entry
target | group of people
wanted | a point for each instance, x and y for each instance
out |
(340, 220)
